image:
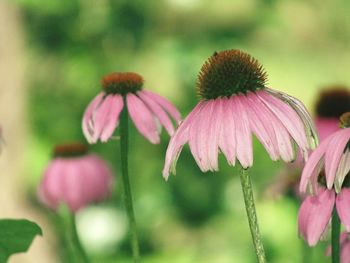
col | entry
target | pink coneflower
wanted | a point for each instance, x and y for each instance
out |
(344, 248)
(147, 109)
(75, 178)
(234, 105)
(328, 166)
(123, 97)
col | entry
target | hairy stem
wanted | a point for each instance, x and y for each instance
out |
(126, 183)
(251, 213)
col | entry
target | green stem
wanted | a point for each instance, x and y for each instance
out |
(335, 237)
(127, 190)
(306, 252)
(76, 241)
(251, 213)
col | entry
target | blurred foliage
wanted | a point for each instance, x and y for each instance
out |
(194, 217)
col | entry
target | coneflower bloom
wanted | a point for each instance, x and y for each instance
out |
(325, 174)
(234, 105)
(344, 248)
(75, 178)
(331, 104)
(147, 109)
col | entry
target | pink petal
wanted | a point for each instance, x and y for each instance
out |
(302, 112)
(288, 117)
(343, 205)
(342, 171)
(170, 108)
(244, 147)
(227, 139)
(112, 120)
(87, 117)
(314, 215)
(101, 116)
(213, 133)
(177, 141)
(51, 188)
(142, 118)
(73, 180)
(333, 154)
(260, 126)
(312, 167)
(281, 136)
(158, 112)
(198, 135)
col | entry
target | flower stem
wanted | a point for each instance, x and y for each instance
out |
(76, 241)
(335, 237)
(251, 213)
(306, 252)
(127, 190)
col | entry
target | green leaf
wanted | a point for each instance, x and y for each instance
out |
(16, 236)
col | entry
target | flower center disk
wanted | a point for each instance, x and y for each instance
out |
(228, 73)
(345, 120)
(70, 150)
(122, 83)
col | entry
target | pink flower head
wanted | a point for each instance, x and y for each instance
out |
(332, 155)
(235, 105)
(328, 166)
(75, 178)
(147, 110)
(344, 248)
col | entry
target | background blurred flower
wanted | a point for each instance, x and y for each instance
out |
(75, 178)
(332, 102)
(148, 110)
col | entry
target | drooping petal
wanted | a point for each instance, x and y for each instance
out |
(100, 117)
(142, 118)
(166, 105)
(342, 171)
(244, 147)
(343, 205)
(214, 132)
(310, 169)
(304, 115)
(198, 135)
(314, 215)
(158, 111)
(87, 117)
(283, 141)
(73, 184)
(261, 127)
(51, 188)
(112, 118)
(177, 141)
(333, 154)
(227, 139)
(288, 117)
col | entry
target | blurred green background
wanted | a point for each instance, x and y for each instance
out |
(194, 217)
